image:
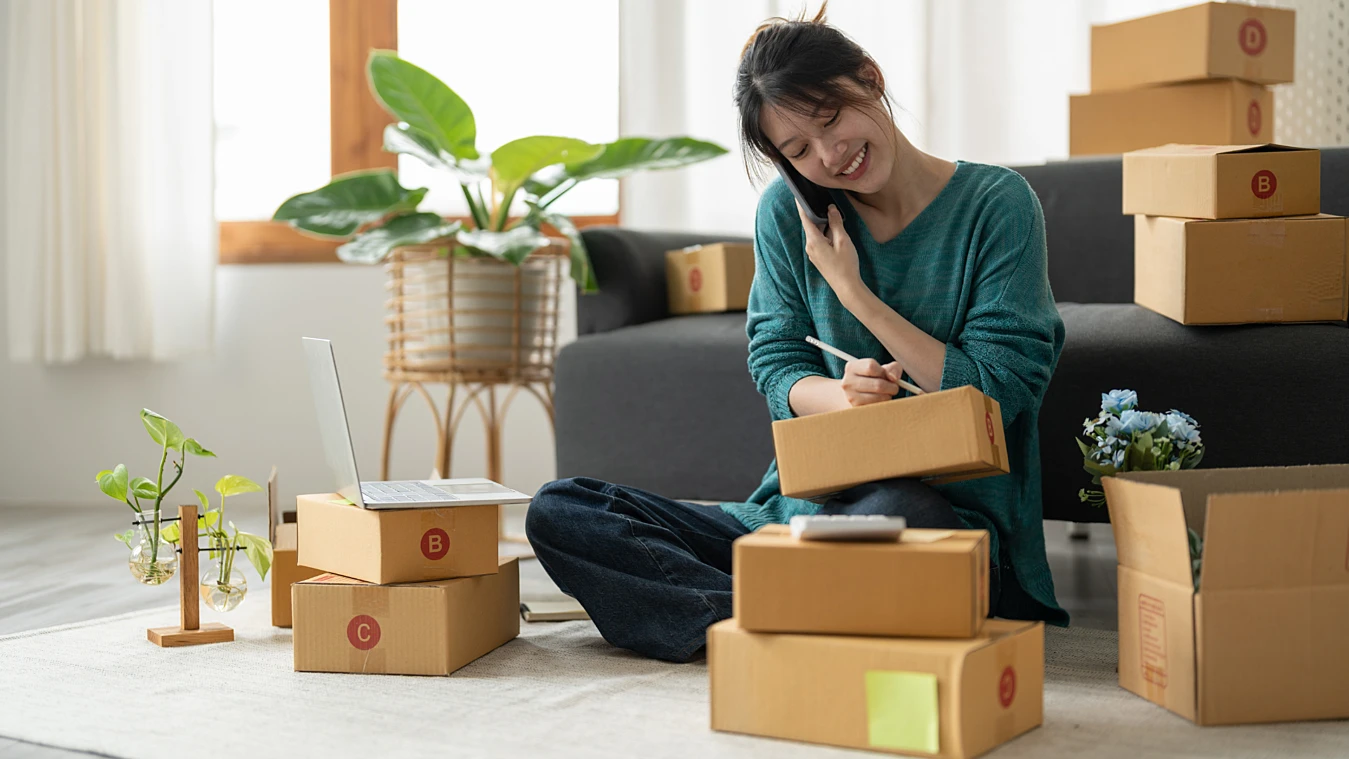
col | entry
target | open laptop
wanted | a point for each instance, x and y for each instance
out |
(337, 449)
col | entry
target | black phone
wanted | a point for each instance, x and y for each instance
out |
(814, 199)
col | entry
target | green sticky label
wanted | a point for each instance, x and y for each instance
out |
(902, 711)
(341, 502)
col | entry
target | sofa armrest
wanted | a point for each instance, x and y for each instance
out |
(630, 270)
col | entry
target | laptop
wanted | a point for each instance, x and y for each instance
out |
(337, 449)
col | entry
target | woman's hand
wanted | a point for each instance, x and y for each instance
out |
(834, 255)
(867, 381)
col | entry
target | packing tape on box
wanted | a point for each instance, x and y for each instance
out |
(1269, 234)
(435, 536)
(367, 610)
(993, 440)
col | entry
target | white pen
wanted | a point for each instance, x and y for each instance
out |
(822, 345)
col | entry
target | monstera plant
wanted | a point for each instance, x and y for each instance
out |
(373, 213)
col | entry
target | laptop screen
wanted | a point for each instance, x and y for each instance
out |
(332, 417)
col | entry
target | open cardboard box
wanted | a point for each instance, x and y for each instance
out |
(286, 568)
(1265, 638)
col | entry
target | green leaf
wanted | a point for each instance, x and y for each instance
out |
(161, 430)
(258, 551)
(1086, 449)
(233, 484)
(113, 483)
(427, 104)
(581, 270)
(126, 537)
(349, 202)
(409, 140)
(513, 245)
(201, 498)
(517, 160)
(193, 447)
(142, 487)
(622, 157)
(171, 533)
(412, 229)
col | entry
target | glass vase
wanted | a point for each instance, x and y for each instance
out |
(153, 565)
(220, 592)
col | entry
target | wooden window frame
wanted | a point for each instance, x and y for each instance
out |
(357, 122)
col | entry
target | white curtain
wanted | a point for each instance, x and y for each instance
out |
(110, 242)
(979, 80)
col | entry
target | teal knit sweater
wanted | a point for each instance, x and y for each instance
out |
(969, 270)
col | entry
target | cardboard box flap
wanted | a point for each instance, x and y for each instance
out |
(1149, 524)
(1176, 149)
(1276, 540)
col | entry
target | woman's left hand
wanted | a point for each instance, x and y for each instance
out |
(834, 254)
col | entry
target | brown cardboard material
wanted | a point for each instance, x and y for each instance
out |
(429, 628)
(709, 278)
(1223, 181)
(1263, 638)
(396, 545)
(814, 688)
(946, 436)
(922, 586)
(1242, 271)
(286, 570)
(1208, 41)
(1217, 112)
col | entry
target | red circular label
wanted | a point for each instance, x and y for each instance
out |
(988, 422)
(363, 632)
(1252, 37)
(435, 544)
(695, 279)
(1007, 687)
(1253, 117)
(1264, 183)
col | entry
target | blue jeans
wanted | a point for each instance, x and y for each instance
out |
(655, 573)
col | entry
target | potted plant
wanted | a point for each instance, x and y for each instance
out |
(374, 214)
(154, 555)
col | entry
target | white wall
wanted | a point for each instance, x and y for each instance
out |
(249, 403)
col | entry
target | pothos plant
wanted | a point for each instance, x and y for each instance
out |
(152, 561)
(374, 214)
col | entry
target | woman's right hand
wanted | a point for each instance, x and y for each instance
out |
(867, 381)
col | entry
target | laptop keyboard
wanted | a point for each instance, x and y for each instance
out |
(402, 492)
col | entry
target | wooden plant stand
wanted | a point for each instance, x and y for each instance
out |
(190, 631)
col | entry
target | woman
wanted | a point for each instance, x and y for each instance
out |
(938, 267)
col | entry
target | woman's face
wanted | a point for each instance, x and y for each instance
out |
(847, 148)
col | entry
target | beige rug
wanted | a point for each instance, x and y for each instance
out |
(558, 690)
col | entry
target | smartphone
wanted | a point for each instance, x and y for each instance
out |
(814, 199)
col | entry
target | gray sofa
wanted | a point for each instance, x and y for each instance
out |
(666, 403)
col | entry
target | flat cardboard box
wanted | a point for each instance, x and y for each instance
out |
(428, 628)
(1208, 41)
(1242, 271)
(396, 545)
(1263, 638)
(1217, 112)
(1223, 181)
(946, 436)
(286, 570)
(709, 278)
(947, 698)
(928, 584)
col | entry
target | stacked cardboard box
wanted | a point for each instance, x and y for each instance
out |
(404, 591)
(702, 279)
(883, 646)
(1233, 235)
(1196, 75)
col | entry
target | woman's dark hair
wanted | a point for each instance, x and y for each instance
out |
(797, 65)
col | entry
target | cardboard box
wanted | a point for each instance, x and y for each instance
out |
(1241, 271)
(1208, 41)
(942, 437)
(396, 545)
(1218, 112)
(286, 570)
(948, 698)
(929, 584)
(1263, 639)
(428, 628)
(1223, 181)
(709, 278)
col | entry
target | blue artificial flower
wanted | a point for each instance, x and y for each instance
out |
(1133, 422)
(1182, 415)
(1183, 428)
(1118, 401)
(1119, 458)
(1113, 428)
